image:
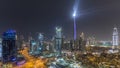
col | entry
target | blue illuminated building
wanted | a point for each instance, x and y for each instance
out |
(9, 48)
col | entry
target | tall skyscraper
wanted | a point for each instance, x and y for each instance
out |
(58, 40)
(9, 48)
(33, 46)
(115, 37)
(40, 38)
(75, 29)
(82, 42)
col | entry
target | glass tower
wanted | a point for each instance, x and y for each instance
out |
(58, 40)
(9, 48)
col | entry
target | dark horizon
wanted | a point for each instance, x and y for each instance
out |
(95, 18)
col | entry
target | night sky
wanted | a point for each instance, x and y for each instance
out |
(95, 17)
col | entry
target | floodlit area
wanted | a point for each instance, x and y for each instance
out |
(30, 61)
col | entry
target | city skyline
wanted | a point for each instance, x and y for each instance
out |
(95, 18)
(59, 34)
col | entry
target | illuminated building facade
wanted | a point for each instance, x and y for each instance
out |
(41, 38)
(33, 46)
(58, 40)
(9, 48)
(36, 48)
(91, 41)
(115, 37)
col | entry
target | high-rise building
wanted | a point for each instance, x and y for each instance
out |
(21, 42)
(36, 47)
(9, 48)
(40, 38)
(115, 37)
(33, 46)
(82, 36)
(82, 42)
(58, 40)
(91, 41)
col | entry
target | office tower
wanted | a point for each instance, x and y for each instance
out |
(41, 40)
(115, 37)
(36, 47)
(9, 48)
(82, 42)
(58, 40)
(32, 47)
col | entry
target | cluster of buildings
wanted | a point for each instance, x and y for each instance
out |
(36, 47)
(10, 45)
(114, 42)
